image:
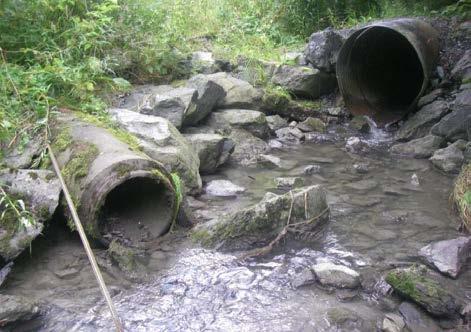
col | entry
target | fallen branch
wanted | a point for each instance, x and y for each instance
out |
(288, 228)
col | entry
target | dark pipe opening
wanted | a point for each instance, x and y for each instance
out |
(137, 211)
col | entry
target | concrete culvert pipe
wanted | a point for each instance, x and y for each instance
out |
(120, 194)
(384, 68)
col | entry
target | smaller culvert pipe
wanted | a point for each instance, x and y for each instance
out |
(384, 68)
(120, 194)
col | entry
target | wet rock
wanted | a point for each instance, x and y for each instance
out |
(171, 105)
(275, 144)
(293, 135)
(16, 308)
(340, 276)
(209, 94)
(393, 323)
(289, 182)
(312, 124)
(259, 224)
(421, 286)
(323, 48)
(345, 320)
(239, 93)
(67, 273)
(312, 169)
(269, 160)
(254, 122)
(363, 185)
(448, 160)
(276, 122)
(361, 124)
(303, 278)
(467, 153)
(223, 188)
(4, 271)
(462, 70)
(304, 81)
(448, 256)
(419, 124)
(21, 157)
(346, 295)
(361, 168)
(356, 145)
(455, 125)
(161, 141)
(126, 258)
(419, 148)
(39, 191)
(416, 319)
(248, 148)
(429, 98)
(213, 150)
(414, 180)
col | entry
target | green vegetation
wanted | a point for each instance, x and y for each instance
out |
(461, 195)
(78, 165)
(74, 54)
(178, 187)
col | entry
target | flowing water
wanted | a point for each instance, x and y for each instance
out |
(379, 220)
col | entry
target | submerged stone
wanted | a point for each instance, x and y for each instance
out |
(289, 182)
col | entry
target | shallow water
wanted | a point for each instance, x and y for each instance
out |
(379, 220)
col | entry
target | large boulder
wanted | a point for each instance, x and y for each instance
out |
(449, 159)
(248, 148)
(141, 96)
(420, 123)
(254, 122)
(276, 122)
(209, 94)
(304, 81)
(423, 287)
(22, 156)
(16, 308)
(419, 148)
(161, 141)
(239, 93)
(457, 124)
(37, 194)
(213, 150)
(448, 256)
(416, 319)
(261, 223)
(462, 70)
(323, 49)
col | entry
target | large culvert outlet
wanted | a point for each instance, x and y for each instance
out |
(384, 68)
(119, 193)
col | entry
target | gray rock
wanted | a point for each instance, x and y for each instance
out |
(356, 145)
(288, 134)
(213, 150)
(141, 96)
(254, 122)
(259, 224)
(161, 141)
(304, 81)
(209, 95)
(467, 153)
(303, 278)
(448, 160)
(323, 48)
(248, 148)
(203, 62)
(276, 122)
(312, 169)
(448, 256)
(419, 148)
(424, 287)
(4, 272)
(416, 319)
(393, 323)
(420, 123)
(343, 319)
(39, 190)
(289, 182)
(239, 93)
(361, 168)
(172, 105)
(457, 124)
(312, 124)
(271, 161)
(462, 70)
(294, 58)
(21, 157)
(363, 185)
(16, 308)
(223, 188)
(275, 144)
(340, 276)
(429, 98)
(361, 124)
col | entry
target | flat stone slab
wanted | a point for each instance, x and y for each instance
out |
(448, 256)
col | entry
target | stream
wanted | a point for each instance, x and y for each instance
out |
(380, 218)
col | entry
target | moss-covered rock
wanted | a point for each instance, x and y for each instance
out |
(419, 285)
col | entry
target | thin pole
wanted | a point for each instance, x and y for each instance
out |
(86, 244)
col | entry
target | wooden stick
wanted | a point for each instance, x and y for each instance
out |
(86, 244)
